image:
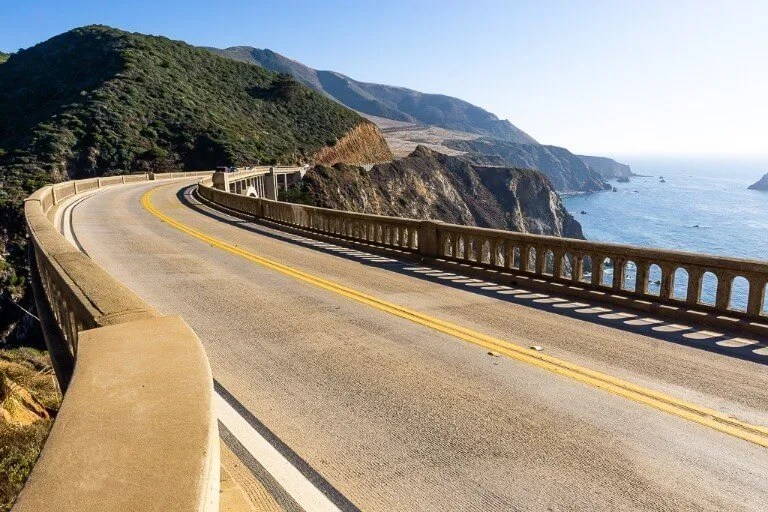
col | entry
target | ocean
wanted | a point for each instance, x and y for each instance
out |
(703, 206)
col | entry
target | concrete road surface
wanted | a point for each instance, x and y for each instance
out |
(379, 412)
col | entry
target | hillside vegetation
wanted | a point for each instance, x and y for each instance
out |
(4, 57)
(386, 101)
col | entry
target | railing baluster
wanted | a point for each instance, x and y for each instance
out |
(756, 295)
(723, 296)
(619, 271)
(641, 281)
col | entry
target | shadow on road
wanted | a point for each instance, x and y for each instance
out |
(711, 340)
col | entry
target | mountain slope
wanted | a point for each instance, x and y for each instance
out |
(4, 57)
(431, 185)
(566, 171)
(386, 101)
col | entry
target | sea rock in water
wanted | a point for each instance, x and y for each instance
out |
(760, 185)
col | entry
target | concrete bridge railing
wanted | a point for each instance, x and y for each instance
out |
(686, 286)
(137, 427)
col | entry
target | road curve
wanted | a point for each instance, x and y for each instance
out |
(392, 415)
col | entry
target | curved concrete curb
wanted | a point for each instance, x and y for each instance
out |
(137, 428)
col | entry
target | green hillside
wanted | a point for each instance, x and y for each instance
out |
(4, 57)
(96, 101)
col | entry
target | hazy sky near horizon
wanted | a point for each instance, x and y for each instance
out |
(602, 77)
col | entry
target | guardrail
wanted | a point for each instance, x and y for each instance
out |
(689, 286)
(137, 427)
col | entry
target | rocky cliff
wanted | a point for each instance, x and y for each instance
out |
(566, 171)
(762, 184)
(430, 185)
(607, 168)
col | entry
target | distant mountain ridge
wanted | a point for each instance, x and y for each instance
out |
(502, 143)
(386, 101)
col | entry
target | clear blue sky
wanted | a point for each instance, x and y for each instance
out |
(604, 77)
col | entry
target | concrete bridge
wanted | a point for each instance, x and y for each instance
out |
(362, 362)
(265, 182)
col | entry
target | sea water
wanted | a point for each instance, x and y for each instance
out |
(701, 206)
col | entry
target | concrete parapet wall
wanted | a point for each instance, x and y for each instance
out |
(612, 273)
(136, 429)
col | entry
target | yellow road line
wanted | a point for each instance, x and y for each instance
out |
(753, 433)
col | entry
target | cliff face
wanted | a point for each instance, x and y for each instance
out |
(430, 185)
(760, 185)
(363, 144)
(565, 170)
(607, 168)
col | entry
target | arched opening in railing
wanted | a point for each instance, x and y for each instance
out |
(485, 252)
(739, 294)
(531, 260)
(606, 277)
(708, 289)
(448, 246)
(680, 284)
(586, 269)
(566, 271)
(516, 259)
(501, 254)
(630, 277)
(472, 249)
(549, 263)
(461, 248)
(655, 275)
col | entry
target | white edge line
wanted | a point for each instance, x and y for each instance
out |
(306, 495)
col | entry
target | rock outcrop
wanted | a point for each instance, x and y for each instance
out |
(760, 185)
(607, 168)
(430, 185)
(566, 171)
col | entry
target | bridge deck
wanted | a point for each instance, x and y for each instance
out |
(389, 414)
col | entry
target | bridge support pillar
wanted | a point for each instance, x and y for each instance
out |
(220, 181)
(270, 185)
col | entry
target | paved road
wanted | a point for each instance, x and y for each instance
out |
(384, 413)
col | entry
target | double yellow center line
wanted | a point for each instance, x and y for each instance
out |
(753, 433)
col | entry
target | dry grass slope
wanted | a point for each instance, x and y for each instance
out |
(29, 398)
(363, 144)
